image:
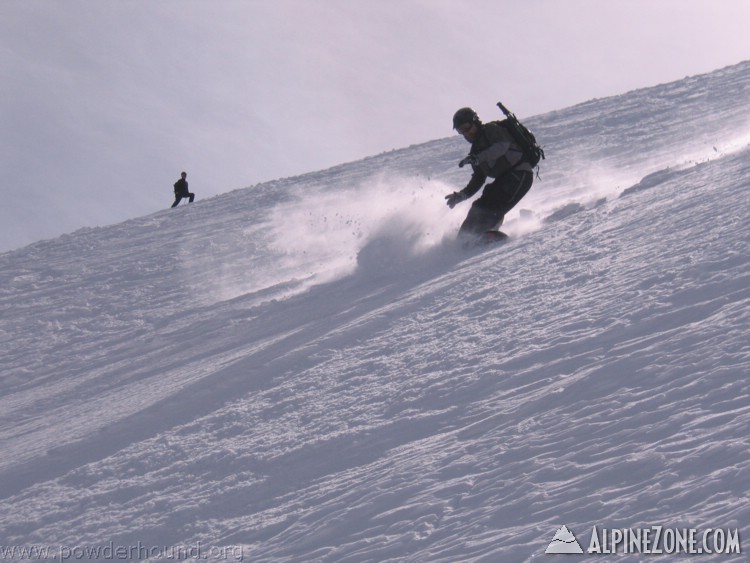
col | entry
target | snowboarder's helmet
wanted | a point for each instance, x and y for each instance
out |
(464, 115)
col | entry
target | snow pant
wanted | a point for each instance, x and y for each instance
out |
(178, 198)
(488, 212)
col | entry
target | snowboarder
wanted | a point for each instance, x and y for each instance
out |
(494, 153)
(181, 190)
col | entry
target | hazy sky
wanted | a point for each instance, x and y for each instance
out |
(104, 102)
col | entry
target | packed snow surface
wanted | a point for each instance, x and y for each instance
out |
(312, 369)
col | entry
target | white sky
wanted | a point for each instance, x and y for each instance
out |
(104, 102)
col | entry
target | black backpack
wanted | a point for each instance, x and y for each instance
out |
(532, 152)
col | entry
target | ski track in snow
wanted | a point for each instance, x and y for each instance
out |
(312, 370)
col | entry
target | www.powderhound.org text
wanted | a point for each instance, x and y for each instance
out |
(112, 552)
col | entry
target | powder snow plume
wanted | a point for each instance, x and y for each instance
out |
(320, 235)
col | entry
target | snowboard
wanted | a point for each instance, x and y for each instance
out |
(492, 237)
(486, 239)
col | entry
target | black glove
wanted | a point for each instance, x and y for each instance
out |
(455, 198)
(471, 159)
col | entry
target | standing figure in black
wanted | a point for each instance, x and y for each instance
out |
(181, 190)
(495, 154)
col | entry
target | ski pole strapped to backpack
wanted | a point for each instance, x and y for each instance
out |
(532, 152)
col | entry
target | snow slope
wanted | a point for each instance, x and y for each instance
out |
(311, 370)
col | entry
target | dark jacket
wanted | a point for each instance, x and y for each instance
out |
(181, 187)
(496, 152)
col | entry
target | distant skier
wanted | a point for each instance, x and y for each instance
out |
(181, 190)
(494, 153)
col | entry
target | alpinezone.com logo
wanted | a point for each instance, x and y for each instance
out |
(564, 542)
(654, 540)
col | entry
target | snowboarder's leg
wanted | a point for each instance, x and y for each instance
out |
(177, 199)
(519, 188)
(480, 220)
(192, 197)
(504, 193)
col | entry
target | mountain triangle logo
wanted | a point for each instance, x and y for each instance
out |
(564, 542)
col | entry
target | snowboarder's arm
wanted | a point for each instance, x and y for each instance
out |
(477, 181)
(503, 152)
(489, 157)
